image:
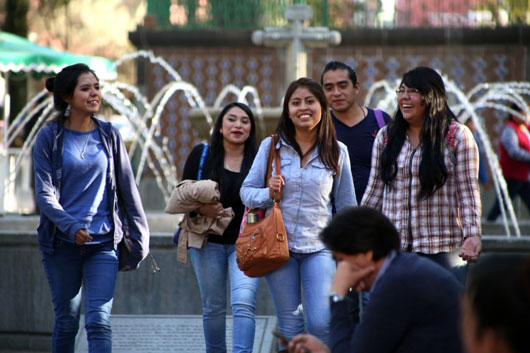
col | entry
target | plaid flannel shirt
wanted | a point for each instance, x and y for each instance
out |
(440, 222)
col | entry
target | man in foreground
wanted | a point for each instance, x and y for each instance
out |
(414, 302)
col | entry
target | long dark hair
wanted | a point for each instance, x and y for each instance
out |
(438, 118)
(498, 291)
(216, 154)
(328, 148)
(63, 86)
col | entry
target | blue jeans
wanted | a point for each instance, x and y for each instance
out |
(212, 264)
(442, 259)
(314, 273)
(93, 267)
(357, 302)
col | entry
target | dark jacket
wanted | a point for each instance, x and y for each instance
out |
(414, 307)
(122, 190)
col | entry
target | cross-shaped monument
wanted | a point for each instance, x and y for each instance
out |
(296, 38)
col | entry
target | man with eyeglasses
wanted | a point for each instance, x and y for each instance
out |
(356, 126)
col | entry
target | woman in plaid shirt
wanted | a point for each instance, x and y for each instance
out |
(424, 174)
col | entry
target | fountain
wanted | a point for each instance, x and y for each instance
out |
(149, 148)
(151, 155)
(150, 144)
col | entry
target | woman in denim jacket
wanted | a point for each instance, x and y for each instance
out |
(82, 174)
(315, 172)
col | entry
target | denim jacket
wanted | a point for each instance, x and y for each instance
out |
(122, 188)
(306, 196)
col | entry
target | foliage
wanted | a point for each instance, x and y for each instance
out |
(190, 7)
(160, 9)
(235, 13)
(91, 27)
(518, 11)
(16, 21)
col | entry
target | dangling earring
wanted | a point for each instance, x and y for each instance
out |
(67, 111)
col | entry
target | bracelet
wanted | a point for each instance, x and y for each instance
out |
(335, 297)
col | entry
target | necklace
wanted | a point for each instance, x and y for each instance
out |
(234, 167)
(82, 151)
(307, 152)
(362, 110)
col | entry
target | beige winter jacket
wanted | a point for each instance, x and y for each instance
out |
(188, 196)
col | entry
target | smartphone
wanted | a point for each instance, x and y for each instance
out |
(280, 336)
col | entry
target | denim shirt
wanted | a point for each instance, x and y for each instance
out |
(122, 188)
(306, 196)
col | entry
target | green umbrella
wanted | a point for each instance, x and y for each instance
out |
(19, 54)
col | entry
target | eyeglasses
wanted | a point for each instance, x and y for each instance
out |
(409, 91)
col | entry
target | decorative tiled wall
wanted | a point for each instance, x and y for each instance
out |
(211, 69)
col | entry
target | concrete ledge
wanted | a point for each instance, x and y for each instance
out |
(26, 313)
(502, 243)
(515, 35)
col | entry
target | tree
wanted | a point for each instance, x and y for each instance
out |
(235, 13)
(16, 23)
(518, 11)
(89, 27)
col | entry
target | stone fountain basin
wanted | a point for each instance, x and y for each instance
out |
(159, 222)
(164, 225)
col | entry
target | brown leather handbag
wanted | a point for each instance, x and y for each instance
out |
(262, 246)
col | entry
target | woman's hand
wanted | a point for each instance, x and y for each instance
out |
(213, 210)
(275, 185)
(307, 344)
(82, 236)
(471, 248)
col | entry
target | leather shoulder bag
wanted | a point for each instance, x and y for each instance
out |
(262, 246)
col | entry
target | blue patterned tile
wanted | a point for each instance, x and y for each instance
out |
(225, 64)
(185, 124)
(252, 64)
(479, 63)
(197, 63)
(479, 78)
(436, 63)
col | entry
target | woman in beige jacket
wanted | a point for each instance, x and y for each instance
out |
(231, 152)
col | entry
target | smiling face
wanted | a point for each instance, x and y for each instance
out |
(236, 126)
(86, 98)
(305, 110)
(412, 106)
(339, 89)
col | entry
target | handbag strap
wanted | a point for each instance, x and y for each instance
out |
(201, 161)
(274, 153)
(379, 117)
(268, 173)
